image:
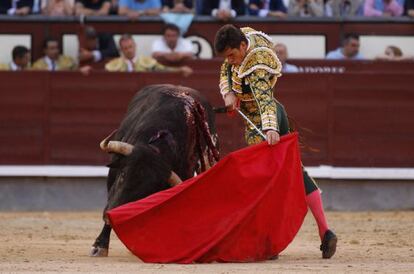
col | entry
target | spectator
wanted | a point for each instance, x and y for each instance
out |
(130, 62)
(95, 47)
(16, 7)
(223, 10)
(114, 7)
(92, 7)
(171, 48)
(349, 51)
(57, 7)
(198, 6)
(134, 9)
(36, 8)
(20, 59)
(53, 60)
(393, 53)
(263, 8)
(180, 14)
(178, 6)
(344, 8)
(282, 54)
(409, 8)
(382, 8)
(306, 8)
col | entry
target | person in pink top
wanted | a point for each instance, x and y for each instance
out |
(382, 8)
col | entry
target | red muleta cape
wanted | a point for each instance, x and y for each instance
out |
(248, 207)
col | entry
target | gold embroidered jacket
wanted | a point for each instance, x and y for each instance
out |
(4, 66)
(9, 67)
(63, 63)
(141, 64)
(255, 77)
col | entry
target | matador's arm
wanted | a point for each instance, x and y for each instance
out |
(224, 83)
(260, 82)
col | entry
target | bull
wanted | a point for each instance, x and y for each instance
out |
(167, 135)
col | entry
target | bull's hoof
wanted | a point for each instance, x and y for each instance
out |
(97, 251)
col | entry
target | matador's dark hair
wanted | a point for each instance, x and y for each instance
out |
(228, 36)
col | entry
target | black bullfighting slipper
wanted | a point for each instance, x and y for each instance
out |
(328, 246)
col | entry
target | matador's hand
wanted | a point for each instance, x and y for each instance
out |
(272, 137)
(230, 100)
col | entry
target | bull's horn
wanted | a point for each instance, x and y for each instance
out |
(119, 147)
(104, 143)
(174, 179)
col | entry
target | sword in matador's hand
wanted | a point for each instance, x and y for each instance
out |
(226, 109)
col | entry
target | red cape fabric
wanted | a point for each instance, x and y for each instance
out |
(248, 207)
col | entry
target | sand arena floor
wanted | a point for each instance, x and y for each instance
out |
(60, 242)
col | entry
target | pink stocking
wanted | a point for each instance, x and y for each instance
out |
(314, 201)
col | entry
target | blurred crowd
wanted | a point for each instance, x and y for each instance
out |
(170, 53)
(219, 9)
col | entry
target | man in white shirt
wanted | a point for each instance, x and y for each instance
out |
(171, 48)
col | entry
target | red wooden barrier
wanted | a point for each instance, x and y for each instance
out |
(320, 65)
(352, 119)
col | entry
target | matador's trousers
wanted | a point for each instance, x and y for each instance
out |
(250, 109)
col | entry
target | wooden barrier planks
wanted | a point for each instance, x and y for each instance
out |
(350, 119)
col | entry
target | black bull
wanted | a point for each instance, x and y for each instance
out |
(167, 134)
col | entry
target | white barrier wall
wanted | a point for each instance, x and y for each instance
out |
(372, 46)
(9, 41)
(299, 46)
(303, 46)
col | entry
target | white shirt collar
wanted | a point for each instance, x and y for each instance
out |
(49, 63)
(131, 63)
(14, 67)
(133, 59)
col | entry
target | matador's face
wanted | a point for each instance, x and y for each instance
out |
(235, 56)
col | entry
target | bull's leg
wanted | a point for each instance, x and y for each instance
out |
(101, 245)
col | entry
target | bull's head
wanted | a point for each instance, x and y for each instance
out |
(135, 172)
